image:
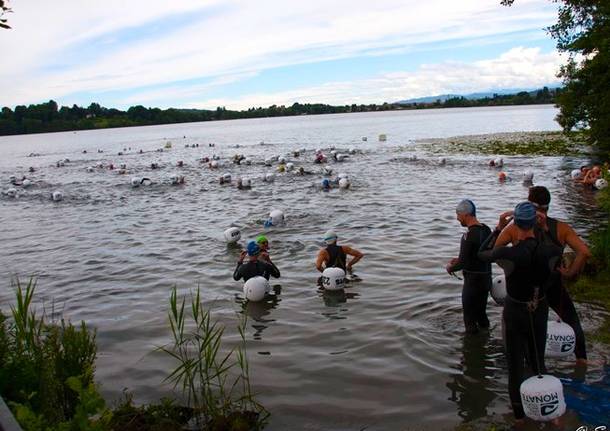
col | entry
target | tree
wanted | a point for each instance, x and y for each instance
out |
(4, 9)
(583, 31)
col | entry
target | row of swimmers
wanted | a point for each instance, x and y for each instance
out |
(528, 245)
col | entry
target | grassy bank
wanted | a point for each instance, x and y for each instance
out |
(47, 375)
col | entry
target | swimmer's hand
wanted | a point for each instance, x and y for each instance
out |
(505, 218)
(452, 262)
(348, 268)
(242, 256)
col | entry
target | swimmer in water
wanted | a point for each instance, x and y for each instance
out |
(527, 266)
(255, 266)
(334, 255)
(477, 274)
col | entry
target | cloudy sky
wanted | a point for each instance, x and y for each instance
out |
(244, 53)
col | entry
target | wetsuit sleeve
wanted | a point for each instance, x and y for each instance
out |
(273, 270)
(487, 253)
(237, 274)
(466, 250)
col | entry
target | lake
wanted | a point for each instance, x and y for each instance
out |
(389, 353)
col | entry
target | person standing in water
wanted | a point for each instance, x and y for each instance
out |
(477, 274)
(336, 255)
(557, 234)
(527, 266)
(254, 266)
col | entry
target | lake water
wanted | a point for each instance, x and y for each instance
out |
(387, 354)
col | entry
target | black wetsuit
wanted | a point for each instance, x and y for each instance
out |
(337, 257)
(252, 269)
(477, 278)
(527, 266)
(557, 295)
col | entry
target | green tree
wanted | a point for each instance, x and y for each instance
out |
(3, 10)
(583, 31)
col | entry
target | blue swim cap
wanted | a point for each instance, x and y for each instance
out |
(525, 215)
(253, 248)
(466, 206)
(325, 183)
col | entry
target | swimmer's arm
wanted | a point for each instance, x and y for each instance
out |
(237, 274)
(357, 255)
(506, 236)
(487, 253)
(322, 257)
(567, 235)
(273, 270)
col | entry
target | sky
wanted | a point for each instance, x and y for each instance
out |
(243, 53)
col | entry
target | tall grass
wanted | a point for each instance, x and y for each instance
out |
(215, 384)
(43, 365)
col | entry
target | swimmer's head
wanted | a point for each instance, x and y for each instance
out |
(262, 242)
(502, 176)
(525, 215)
(540, 197)
(466, 207)
(330, 237)
(253, 249)
(325, 183)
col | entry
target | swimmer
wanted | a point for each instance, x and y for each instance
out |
(243, 184)
(255, 266)
(593, 175)
(527, 267)
(263, 243)
(320, 158)
(336, 255)
(502, 177)
(477, 274)
(326, 185)
(180, 163)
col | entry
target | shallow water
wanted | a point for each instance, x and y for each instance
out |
(387, 354)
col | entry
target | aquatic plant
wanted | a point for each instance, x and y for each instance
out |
(215, 385)
(46, 369)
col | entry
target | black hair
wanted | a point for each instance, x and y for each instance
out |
(539, 195)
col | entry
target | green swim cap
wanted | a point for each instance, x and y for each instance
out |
(261, 238)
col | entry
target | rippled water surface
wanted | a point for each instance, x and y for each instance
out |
(387, 354)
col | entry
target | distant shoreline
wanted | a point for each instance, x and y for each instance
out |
(49, 117)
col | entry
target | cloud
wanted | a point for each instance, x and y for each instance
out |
(517, 68)
(60, 48)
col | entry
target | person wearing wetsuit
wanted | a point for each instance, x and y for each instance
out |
(527, 266)
(477, 274)
(254, 266)
(336, 255)
(557, 234)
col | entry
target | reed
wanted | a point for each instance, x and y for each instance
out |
(215, 385)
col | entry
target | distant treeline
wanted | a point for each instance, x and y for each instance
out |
(49, 117)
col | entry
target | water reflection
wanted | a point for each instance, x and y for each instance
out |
(257, 310)
(470, 389)
(334, 298)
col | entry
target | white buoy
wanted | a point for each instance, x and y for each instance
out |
(344, 183)
(269, 177)
(276, 217)
(498, 289)
(601, 184)
(542, 398)
(560, 340)
(327, 171)
(255, 288)
(383, 137)
(333, 152)
(499, 162)
(232, 235)
(352, 151)
(11, 193)
(576, 174)
(281, 160)
(26, 183)
(413, 157)
(12, 179)
(528, 176)
(123, 166)
(342, 175)
(226, 177)
(214, 164)
(246, 182)
(341, 157)
(136, 181)
(442, 161)
(248, 161)
(268, 162)
(58, 196)
(90, 169)
(289, 166)
(333, 279)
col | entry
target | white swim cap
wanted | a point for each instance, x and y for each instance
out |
(330, 236)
